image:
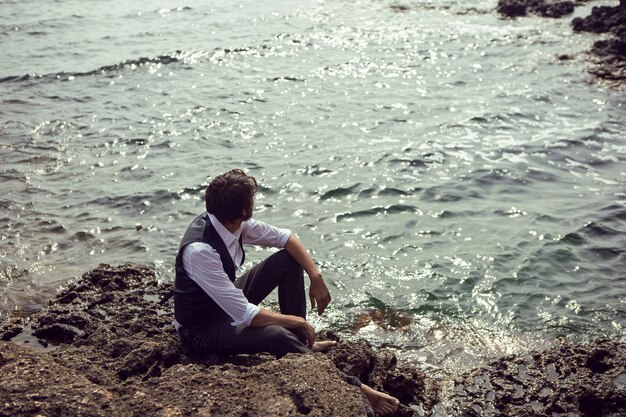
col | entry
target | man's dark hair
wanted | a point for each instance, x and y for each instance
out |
(230, 196)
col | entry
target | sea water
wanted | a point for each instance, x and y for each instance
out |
(459, 177)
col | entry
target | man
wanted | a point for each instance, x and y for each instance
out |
(217, 313)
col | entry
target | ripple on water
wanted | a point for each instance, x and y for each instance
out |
(450, 193)
(375, 211)
(339, 192)
(51, 226)
(424, 146)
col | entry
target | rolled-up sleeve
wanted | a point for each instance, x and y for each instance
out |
(256, 232)
(204, 266)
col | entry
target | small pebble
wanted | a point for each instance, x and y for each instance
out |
(138, 226)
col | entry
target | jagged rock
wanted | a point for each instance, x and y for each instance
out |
(112, 351)
(608, 55)
(517, 8)
(33, 384)
(568, 379)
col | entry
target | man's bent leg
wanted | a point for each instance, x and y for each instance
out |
(220, 337)
(279, 270)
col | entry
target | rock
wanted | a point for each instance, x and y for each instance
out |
(512, 8)
(568, 379)
(543, 8)
(602, 19)
(608, 55)
(113, 351)
(294, 385)
(110, 328)
(10, 329)
(57, 333)
(32, 384)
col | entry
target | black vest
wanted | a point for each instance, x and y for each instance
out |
(193, 307)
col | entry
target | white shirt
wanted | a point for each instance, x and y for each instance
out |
(202, 264)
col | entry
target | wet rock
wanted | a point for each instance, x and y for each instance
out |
(114, 352)
(543, 8)
(57, 333)
(608, 56)
(610, 53)
(568, 379)
(379, 369)
(67, 297)
(10, 329)
(400, 8)
(602, 19)
(599, 361)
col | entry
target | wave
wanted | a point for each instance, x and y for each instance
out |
(392, 209)
(487, 177)
(391, 191)
(339, 192)
(109, 70)
(450, 193)
(147, 201)
(613, 212)
(315, 171)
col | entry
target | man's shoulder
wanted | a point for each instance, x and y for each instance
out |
(252, 222)
(196, 248)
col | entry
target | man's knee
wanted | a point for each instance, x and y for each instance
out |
(280, 341)
(275, 334)
(285, 258)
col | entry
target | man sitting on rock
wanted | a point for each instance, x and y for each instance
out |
(217, 313)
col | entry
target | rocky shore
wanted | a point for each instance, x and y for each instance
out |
(105, 346)
(608, 55)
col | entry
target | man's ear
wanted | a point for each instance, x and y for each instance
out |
(247, 212)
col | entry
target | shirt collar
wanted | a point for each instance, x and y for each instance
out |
(224, 233)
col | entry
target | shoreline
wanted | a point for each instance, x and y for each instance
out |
(608, 54)
(109, 348)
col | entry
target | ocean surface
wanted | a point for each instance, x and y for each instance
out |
(460, 178)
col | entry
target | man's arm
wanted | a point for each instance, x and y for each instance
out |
(298, 324)
(204, 266)
(318, 292)
(256, 232)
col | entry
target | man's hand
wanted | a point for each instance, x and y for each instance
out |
(305, 330)
(319, 294)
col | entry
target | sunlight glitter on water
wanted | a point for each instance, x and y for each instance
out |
(438, 161)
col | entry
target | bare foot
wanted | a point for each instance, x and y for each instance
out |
(323, 346)
(382, 404)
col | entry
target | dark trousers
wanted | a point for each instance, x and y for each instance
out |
(220, 337)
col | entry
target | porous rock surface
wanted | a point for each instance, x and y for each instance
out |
(566, 380)
(105, 346)
(107, 337)
(610, 52)
(543, 8)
